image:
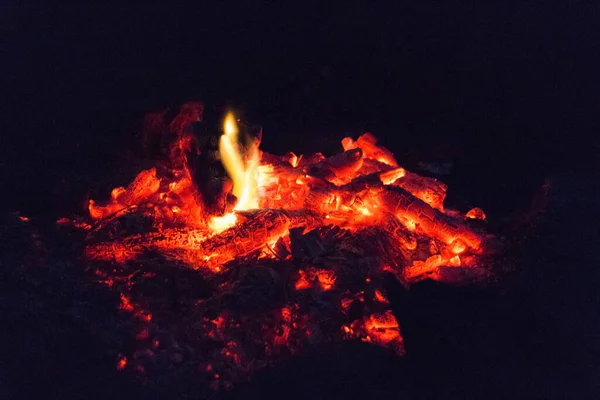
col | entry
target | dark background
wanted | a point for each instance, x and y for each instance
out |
(506, 90)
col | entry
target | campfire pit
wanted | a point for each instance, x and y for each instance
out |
(229, 258)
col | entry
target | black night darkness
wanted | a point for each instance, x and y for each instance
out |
(499, 100)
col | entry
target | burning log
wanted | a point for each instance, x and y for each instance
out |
(128, 248)
(373, 179)
(370, 165)
(145, 185)
(262, 227)
(393, 227)
(413, 212)
(379, 159)
(303, 161)
(430, 190)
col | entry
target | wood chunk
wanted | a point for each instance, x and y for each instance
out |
(281, 250)
(307, 245)
(260, 227)
(393, 227)
(208, 174)
(430, 190)
(144, 185)
(368, 144)
(375, 179)
(370, 166)
(413, 211)
(341, 166)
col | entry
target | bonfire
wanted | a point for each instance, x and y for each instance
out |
(281, 252)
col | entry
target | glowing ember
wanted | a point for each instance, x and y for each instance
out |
(309, 226)
(380, 297)
(326, 279)
(121, 363)
(476, 213)
(383, 328)
(219, 224)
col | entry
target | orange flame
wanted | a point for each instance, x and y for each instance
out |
(243, 174)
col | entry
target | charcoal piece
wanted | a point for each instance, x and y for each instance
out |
(133, 224)
(333, 232)
(295, 235)
(429, 190)
(412, 210)
(248, 134)
(278, 162)
(208, 174)
(258, 289)
(356, 310)
(368, 144)
(337, 166)
(307, 245)
(281, 250)
(392, 226)
(188, 113)
(370, 166)
(162, 128)
(332, 200)
(363, 182)
(259, 228)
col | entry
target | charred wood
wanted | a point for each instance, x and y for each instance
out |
(338, 166)
(412, 211)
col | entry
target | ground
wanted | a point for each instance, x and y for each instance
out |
(534, 334)
(507, 92)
